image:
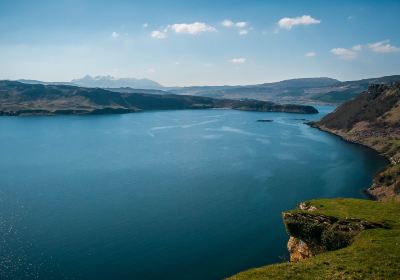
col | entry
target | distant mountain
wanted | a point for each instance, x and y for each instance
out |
(112, 82)
(345, 91)
(299, 91)
(267, 91)
(38, 99)
(134, 90)
(302, 83)
(305, 90)
(36, 82)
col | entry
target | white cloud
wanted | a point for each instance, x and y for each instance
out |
(288, 23)
(344, 53)
(238, 60)
(191, 28)
(241, 24)
(310, 54)
(227, 23)
(114, 35)
(158, 34)
(383, 47)
(145, 25)
(243, 32)
(378, 47)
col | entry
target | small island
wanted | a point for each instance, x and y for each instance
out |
(265, 120)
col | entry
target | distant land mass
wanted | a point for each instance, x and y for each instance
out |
(299, 91)
(36, 82)
(112, 82)
(304, 90)
(38, 99)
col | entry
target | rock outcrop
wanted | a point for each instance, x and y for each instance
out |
(312, 234)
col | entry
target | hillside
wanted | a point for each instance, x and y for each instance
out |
(372, 119)
(267, 91)
(305, 90)
(38, 99)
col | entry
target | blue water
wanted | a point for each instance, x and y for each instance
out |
(162, 195)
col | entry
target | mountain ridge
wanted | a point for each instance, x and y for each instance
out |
(323, 90)
(37, 99)
(112, 82)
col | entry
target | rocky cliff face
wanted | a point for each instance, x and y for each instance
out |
(312, 234)
(372, 119)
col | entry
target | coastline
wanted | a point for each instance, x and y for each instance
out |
(307, 227)
(377, 190)
(347, 140)
(311, 124)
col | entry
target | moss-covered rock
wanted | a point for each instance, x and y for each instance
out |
(311, 234)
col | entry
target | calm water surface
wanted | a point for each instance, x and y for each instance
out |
(162, 195)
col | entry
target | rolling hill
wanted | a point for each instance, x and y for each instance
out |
(305, 90)
(37, 99)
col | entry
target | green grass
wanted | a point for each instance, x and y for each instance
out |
(374, 254)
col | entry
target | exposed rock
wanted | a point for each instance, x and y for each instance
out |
(298, 249)
(307, 206)
(312, 234)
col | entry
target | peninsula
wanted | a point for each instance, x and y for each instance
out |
(45, 99)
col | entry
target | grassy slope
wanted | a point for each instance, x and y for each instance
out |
(375, 254)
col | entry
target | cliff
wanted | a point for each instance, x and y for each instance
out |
(372, 119)
(38, 99)
(312, 234)
(347, 239)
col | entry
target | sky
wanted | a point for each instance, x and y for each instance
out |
(183, 43)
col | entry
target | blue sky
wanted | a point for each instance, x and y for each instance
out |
(199, 42)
